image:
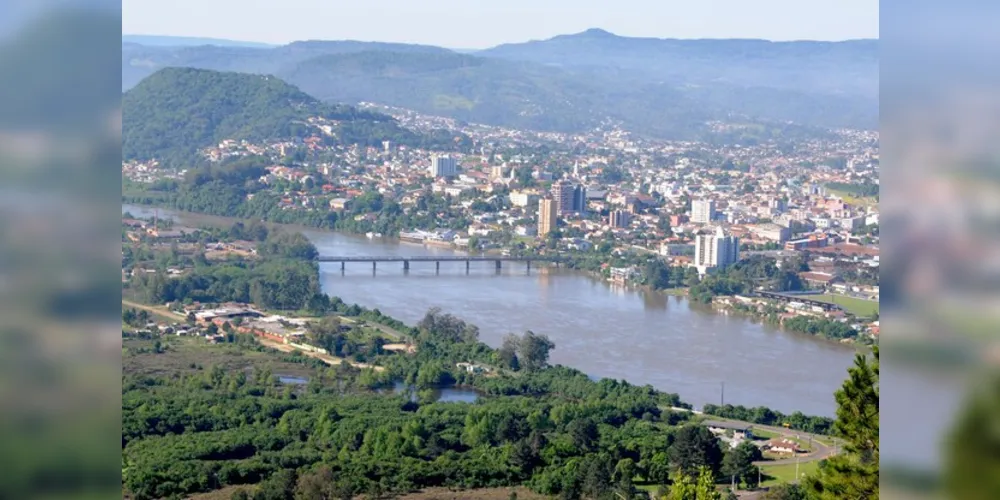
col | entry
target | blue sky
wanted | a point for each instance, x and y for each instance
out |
(480, 24)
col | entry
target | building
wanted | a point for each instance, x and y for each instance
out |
(772, 232)
(580, 199)
(443, 166)
(702, 211)
(619, 218)
(564, 194)
(521, 198)
(778, 205)
(738, 429)
(715, 250)
(853, 223)
(496, 172)
(547, 210)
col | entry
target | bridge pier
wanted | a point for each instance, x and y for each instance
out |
(467, 266)
(498, 265)
(343, 266)
(374, 263)
(406, 265)
(437, 267)
(529, 267)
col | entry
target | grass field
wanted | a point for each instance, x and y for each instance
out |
(193, 354)
(858, 307)
(785, 473)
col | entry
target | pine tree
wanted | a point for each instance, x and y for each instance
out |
(973, 455)
(854, 473)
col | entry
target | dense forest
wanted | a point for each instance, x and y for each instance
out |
(551, 428)
(175, 112)
(767, 416)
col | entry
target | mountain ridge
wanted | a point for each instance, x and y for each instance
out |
(178, 111)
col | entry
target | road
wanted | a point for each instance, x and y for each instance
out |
(819, 450)
(330, 360)
(160, 310)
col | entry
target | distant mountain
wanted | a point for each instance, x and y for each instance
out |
(177, 111)
(849, 67)
(187, 41)
(659, 87)
(140, 61)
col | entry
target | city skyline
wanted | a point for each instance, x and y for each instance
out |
(462, 25)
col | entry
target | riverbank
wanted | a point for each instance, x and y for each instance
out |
(618, 332)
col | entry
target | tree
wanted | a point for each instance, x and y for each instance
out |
(855, 472)
(787, 491)
(533, 351)
(685, 488)
(972, 458)
(507, 353)
(738, 463)
(694, 447)
(240, 494)
(584, 433)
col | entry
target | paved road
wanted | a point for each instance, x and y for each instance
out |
(818, 451)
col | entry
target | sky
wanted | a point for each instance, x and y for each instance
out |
(475, 24)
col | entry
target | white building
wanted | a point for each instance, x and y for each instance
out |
(702, 211)
(443, 166)
(715, 250)
(522, 199)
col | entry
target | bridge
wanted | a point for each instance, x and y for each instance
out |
(793, 297)
(498, 260)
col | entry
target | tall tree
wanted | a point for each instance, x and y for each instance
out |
(533, 351)
(854, 473)
(738, 463)
(973, 461)
(686, 488)
(695, 447)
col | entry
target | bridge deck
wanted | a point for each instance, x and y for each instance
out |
(443, 258)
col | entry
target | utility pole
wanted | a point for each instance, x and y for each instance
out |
(723, 398)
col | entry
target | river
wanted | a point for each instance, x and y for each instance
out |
(604, 330)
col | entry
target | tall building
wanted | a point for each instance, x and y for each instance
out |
(580, 199)
(702, 211)
(443, 166)
(547, 209)
(496, 172)
(563, 194)
(619, 218)
(715, 250)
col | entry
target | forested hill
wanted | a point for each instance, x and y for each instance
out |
(177, 111)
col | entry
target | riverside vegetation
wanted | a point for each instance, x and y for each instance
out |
(550, 428)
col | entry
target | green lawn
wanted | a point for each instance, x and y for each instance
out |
(785, 473)
(859, 307)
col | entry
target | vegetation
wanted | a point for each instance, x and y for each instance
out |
(767, 416)
(866, 190)
(215, 106)
(827, 328)
(665, 88)
(745, 276)
(855, 472)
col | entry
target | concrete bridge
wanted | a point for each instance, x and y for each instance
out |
(498, 260)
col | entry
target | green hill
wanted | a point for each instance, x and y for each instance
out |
(177, 111)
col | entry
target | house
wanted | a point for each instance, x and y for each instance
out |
(471, 367)
(738, 429)
(781, 445)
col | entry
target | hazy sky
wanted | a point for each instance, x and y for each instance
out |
(482, 23)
